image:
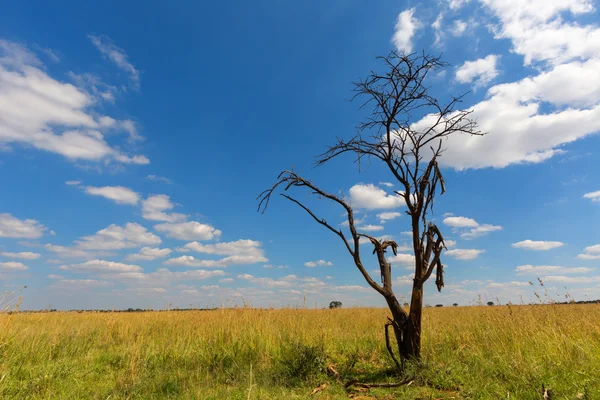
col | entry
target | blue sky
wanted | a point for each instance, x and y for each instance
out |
(134, 139)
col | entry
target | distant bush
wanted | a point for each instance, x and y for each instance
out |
(335, 304)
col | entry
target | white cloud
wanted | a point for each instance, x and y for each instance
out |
(115, 237)
(480, 72)
(117, 55)
(318, 263)
(191, 261)
(155, 178)
(352, 288)
(79, 283)
(481, 230)
(571, 279)
(402, 259)
(593, 196)
(73, 183)
(67, 252)
(450, 243)
(13, 266)
(370, 228)
(191, 230)
(239, 247)
(163, 276)
(590, 253)
(270, 266)
(118, 194)
(546, 269)
(459, 28)
(507, 285)
(147, 291)
(460, 222)
(149, 253)
(464, 254)
(537, 245)
(154, 207)
(437, 29)
(528, 120)
(387, 216)
(539, 33)
(387, 184)
(371, 197)
(477, 229)
(12, 227)
(102, 266)
(406, 26)
(24, 255)
(48, 114)
(456, 4)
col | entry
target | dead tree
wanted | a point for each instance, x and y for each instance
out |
(410, 150)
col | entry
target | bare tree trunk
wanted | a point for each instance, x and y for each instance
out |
(399, 323)
(411, 342)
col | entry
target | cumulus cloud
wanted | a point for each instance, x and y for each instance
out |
(537, 245)
(24, 255)
(370, 228)
(318, 263)
(12, 227)
(154, 208)
(547, 269)
(149, 253)
(48, 114)
(571, 279)
(387, 216)
(102, 266)
(406, 26)
(507, 285)
(479, 72)
(464, 254)
(163, 276)
(191, 261)
(118, 194)
(239, 247)
(528, 120)
(116, 237)
(590, 253)
(372, 197)
(402, 259)
(67, 252)
(12, 266)
(460, 222)
(476, 229)
(116, 55)
(593, 196)
(191, 230)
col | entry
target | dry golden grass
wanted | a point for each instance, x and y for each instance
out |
(468, 352)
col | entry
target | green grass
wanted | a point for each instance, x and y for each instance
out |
(468, 353)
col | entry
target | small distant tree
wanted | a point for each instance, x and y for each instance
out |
(410, 151)
(455, 304)
(439, 305)
(335, 304)
(490, 303)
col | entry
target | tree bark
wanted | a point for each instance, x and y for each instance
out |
(399, 319)
(411, 341)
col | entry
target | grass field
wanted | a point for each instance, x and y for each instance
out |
(468, 353)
